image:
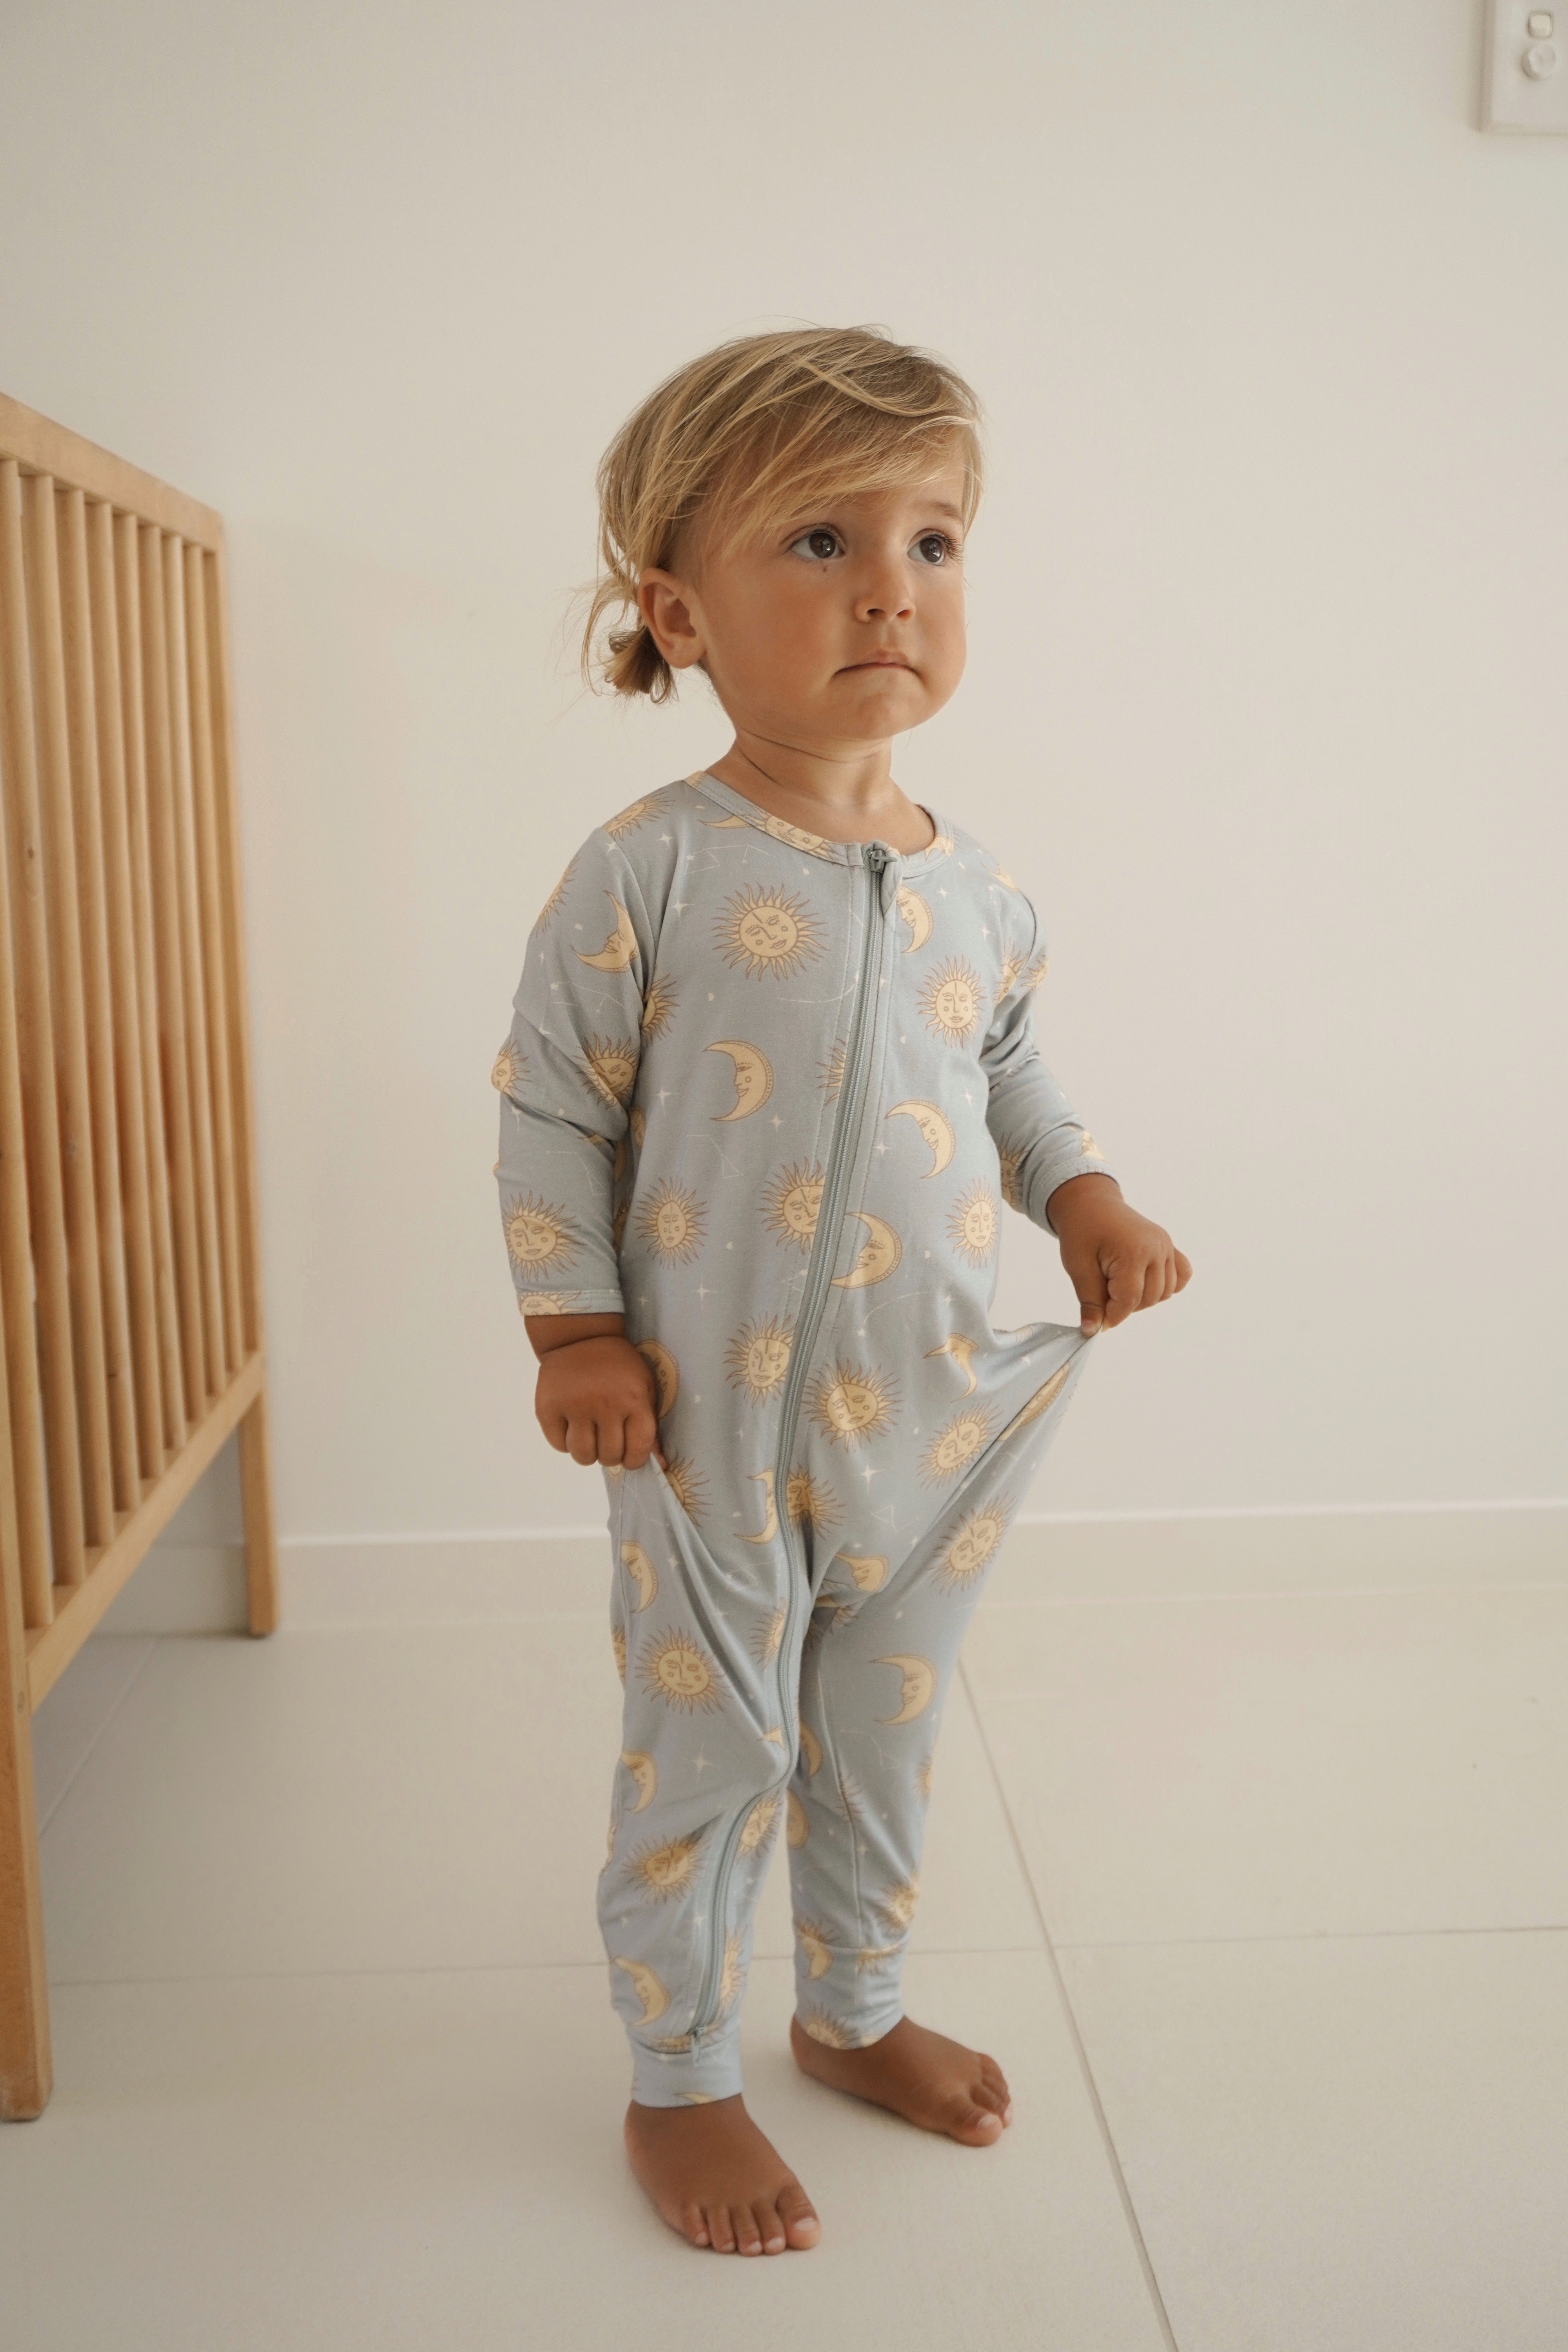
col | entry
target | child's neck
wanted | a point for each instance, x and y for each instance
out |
(853, 798)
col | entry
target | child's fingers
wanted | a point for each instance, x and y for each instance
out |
(1183, 1271)
(582, 1441)
(641, 1436)
(553, 1425)
(1087, 1279)
(1126, 1286)
(613, 1441)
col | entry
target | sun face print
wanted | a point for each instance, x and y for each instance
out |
(924, 1777)
(815, 1937)
(950, 1002)
(539, 1237)
(1012, 1159)
(658, 1008)
(732, 1972)
(955, 1445)
(897, 1904)
(768, 932)
(761, 1822)
(509, 1068)
(1012, 965)
(629, 819)
(1038, 970)
(828, 2029)
(551, 906)
(792, 1204)
(679, 1670)
(546, 1302)
(610, 1064)
(832, 1071)
(767, 1638)
(971, 1224)
(670, 1868)
(757, 1358)
(851, 1404)
(876, 1956)
(687, 1484)
(809, 1502)
(971, 1547)
(673, 1223)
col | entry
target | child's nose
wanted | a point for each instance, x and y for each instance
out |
(886, 594)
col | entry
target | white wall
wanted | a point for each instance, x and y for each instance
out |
(1267, 689)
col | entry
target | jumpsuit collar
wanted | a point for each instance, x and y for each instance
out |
(836, 853)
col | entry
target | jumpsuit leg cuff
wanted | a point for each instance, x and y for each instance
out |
(687, 2078)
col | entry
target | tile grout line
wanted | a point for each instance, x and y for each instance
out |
(82, 1762)
(1091, 2085)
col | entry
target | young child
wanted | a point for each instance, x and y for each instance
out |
(772, 1073)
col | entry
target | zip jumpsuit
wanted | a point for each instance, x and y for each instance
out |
(764, 1094)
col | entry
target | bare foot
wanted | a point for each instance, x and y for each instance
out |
(922, 2075)
(715, 2178)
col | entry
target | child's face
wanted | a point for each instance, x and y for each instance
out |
(845, 625)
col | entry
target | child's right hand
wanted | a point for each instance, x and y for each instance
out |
(596, 1394)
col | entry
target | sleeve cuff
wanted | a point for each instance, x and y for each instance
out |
(570, 1302)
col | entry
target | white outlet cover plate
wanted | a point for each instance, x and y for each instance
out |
(1511, 100)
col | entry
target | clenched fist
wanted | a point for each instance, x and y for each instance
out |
(596, 1395)
(1116, 1260)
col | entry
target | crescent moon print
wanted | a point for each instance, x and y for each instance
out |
(642, 1571)
(754, 1075)
(814, 1938)
(1041, 1401)
(538, 1237)
(869, 1570)
(879, 1254)
(644, 1775)
(619, 948)
(934, 1131)
(646, 1984)
(768, 932)
(796, 838)
(971, 1547)
(971, 1224)
(955, 1445)
(770, 1519)
(918, 915)
(919, 1688)
(666, 1374)
(678, 1670)
(757, 1358)
(961, 1349)
(811, 1750)
(950, 1002)
(797, 1824)
(723, 823)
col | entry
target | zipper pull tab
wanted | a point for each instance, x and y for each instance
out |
(884, 866)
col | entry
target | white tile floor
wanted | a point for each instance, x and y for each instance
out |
(336, 2067)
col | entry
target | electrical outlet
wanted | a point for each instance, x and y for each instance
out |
(1524, 80)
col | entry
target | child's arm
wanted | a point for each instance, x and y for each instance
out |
(567, 1075)
(1053, 1169)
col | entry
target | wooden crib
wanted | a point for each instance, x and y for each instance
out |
(130, 1287)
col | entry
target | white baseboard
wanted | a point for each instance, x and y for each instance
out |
(448, 1579)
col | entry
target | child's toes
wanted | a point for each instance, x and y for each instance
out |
(801, 2225)
(974, 2123)
(748, 2234)
(770, 2228)
(693, 2225)
(720, 2228)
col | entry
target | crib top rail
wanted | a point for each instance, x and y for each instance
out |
(41, 446)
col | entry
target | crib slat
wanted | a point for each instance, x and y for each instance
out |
(98, 1003)
(124, 1014)
(209, 881)
(192, 961)
(173, 1057)
(73, 1096)
(16, 1306)
(255, 1444)
(128, 608)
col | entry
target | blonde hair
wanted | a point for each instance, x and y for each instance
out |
(745, 438)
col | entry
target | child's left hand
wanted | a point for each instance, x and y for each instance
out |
(1117, 1261)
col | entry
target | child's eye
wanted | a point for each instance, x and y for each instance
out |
(819, 544)
(934, 547)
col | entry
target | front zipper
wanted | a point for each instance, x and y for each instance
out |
(814, 1298)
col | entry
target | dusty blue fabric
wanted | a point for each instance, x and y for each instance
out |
(765, 1094)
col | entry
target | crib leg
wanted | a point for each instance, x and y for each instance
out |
(26, 2073)
(261, 1535)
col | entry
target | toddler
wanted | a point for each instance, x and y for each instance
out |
(771, 1074)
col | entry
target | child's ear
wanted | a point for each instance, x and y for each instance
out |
(670, 617)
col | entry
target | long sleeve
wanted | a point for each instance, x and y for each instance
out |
(1038, 1135)
(565, 1076)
